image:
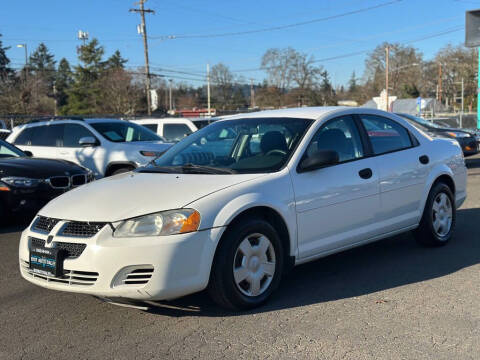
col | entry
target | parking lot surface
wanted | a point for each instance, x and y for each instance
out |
(389, 300)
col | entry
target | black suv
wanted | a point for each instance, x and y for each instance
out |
(27, 184)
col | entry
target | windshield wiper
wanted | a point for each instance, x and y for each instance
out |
(159, 169)
(202, 169)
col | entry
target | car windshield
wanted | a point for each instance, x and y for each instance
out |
(124, 132)
(415, 120)
(7, 150)
(255, 145)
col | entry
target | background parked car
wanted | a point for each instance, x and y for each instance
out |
(27, 184)
(105, 146)
(4, 132)
(170, 129)
(466, 138)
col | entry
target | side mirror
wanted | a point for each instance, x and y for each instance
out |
(318, 160)
(28, 153)
(87, 141)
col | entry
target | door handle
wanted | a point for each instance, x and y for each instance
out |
(365, 173)
(424, 159)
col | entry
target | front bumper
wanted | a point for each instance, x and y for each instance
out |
(469, 145)
(28, 200)
(179, 264)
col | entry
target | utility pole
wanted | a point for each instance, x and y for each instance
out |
(26, 59)
(439, 96)
(143, 30)
(208, 88)
(252, 94)
(170, 101)
(462, 93)
(387, 55)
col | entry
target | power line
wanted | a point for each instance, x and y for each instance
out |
(364, 51)
(280, 27)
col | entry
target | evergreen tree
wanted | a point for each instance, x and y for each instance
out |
(352, 83)
(63, 82)
(5, 70)
(84, 94)
(42, 67)
(41, 61)
(116, 61)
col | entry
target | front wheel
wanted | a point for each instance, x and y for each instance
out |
(248, 265)
(438, 220)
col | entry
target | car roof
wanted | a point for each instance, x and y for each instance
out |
(161, 120)
(302, 112)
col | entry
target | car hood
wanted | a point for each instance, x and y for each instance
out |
(134, 194)
(37, 168)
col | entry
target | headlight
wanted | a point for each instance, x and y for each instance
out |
(22, 182)
(160, 224)
(457, 134)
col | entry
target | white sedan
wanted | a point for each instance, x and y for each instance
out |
(233, 206)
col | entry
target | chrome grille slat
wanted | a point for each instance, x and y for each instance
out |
(69, 277)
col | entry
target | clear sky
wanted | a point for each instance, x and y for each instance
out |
(369, 23)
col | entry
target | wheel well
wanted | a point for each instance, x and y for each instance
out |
(114, 167)
(447, 180)
(276, 220)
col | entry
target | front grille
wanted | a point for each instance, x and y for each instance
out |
(59, 182)
(78, 180)
(81, 229)
(44, 224)
(70, 277)
(72, 250)
(133, 275)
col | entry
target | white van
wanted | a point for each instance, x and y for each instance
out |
(171, 129)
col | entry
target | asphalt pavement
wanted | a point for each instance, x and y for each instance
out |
(389, 300)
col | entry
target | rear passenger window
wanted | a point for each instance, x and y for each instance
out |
(44, 135)
(25, 137)
(385, 135)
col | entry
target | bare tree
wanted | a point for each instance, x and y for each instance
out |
(404, 70)
(223, 82)
(119, 93)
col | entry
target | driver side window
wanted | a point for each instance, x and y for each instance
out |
(341, 135)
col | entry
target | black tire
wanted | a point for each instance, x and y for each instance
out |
(222, 286)
(121, 170)
(426, 234)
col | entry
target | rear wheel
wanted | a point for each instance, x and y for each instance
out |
(248, 265)
(438, 220)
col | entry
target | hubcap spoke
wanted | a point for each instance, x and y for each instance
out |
(436, 206)
(246, 248)
(240, 274)
(263, 244)
(255, 286)
(269, 268)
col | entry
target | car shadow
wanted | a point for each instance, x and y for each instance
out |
(15, 224)
(383, 265)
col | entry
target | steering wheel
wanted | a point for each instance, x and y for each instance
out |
(276, 151)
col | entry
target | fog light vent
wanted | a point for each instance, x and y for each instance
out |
(136, 275)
